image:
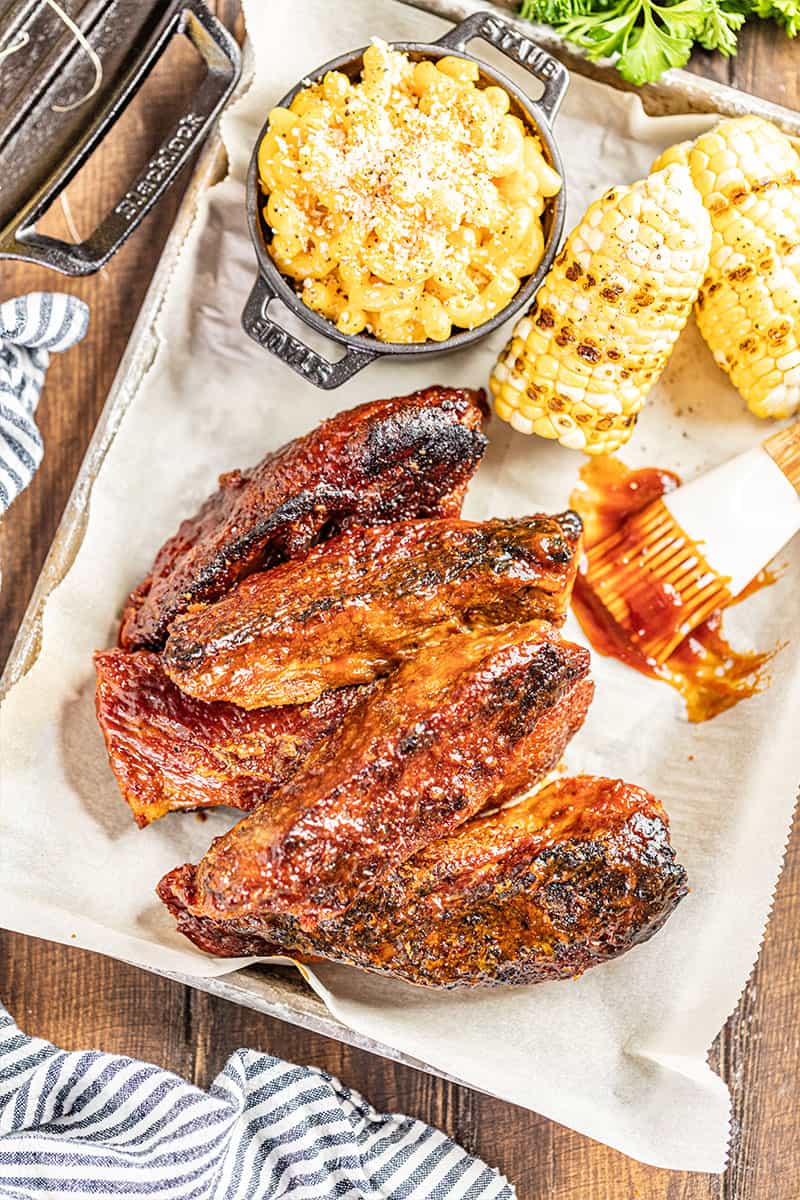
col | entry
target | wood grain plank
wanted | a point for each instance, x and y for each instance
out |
(79, 999)
(86, 1001)
(768, 64)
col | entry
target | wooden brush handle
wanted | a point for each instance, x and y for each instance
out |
(784, 448)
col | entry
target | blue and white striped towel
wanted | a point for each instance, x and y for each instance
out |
(92, 1124)
(30, 327)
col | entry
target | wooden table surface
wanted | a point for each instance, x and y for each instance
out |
(78, 999)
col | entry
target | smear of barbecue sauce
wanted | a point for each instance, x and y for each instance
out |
(708, 672)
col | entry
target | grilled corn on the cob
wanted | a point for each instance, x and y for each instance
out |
(748, 310)
(579, 365)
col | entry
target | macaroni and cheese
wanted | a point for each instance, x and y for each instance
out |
(407, 203)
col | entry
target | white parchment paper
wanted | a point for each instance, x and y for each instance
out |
(620, 1054)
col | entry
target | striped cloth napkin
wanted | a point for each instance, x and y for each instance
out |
(96, 1125)
(30, 327)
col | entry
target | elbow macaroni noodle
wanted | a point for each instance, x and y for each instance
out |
(407, 203)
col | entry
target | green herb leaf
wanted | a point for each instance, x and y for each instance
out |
(647, 37)
(718, 29)
(654, 46)
(785, 12)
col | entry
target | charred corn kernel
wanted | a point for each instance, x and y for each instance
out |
(748, 309)
(580, 364)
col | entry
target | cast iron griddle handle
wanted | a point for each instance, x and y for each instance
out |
(220, 53)
(548, 70)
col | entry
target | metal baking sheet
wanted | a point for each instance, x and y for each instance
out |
(281, 992)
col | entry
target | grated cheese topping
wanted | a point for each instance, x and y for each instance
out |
(400, 179)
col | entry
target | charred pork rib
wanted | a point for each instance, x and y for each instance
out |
(171, 752)
(568, 878)
(389, 460)
(461, 726)
(367, 600)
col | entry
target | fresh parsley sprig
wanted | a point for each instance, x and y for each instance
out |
(646, 37)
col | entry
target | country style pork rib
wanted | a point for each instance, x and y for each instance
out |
(367, 600)
(471, 723)
(388, 460)
(171, 752)
(568, 878)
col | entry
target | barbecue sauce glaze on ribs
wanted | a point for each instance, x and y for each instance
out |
(568, 878)
(416, 693)
(170, 752)
(366, 601)
(389, 460)
(474, 722)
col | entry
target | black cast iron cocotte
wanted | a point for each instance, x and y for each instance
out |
(361, 349)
